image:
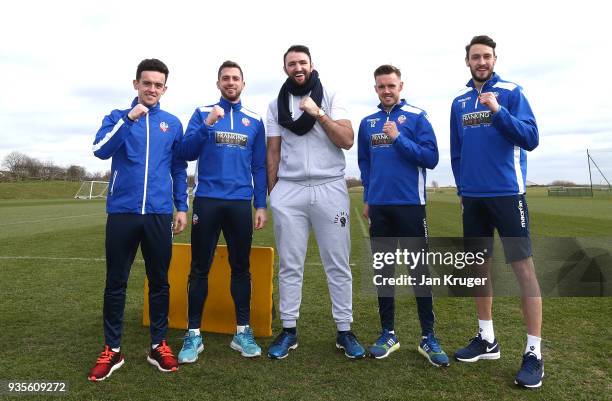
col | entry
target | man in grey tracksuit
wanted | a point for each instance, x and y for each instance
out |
(307, 128)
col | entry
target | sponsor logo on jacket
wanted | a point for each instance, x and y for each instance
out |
(381, 140)
(372, 121)
(230, 138)
(476, 118)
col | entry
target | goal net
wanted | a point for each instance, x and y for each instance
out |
(92, 190)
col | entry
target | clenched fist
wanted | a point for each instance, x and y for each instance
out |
(138, 111)
(309, 106)
(391, 129)
(489, 100)
(215, 115)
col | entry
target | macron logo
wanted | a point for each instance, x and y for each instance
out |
(522, 212)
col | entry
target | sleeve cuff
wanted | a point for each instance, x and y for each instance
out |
(126, 119)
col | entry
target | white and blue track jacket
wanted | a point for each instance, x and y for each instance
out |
(488, 150)
(393, 171)
(231, 154)
(147, 173)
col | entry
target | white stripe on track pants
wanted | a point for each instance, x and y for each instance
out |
(325, 207)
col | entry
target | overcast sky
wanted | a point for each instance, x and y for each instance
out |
(65, 65)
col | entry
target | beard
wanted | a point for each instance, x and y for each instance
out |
(233, 97)
(306, 78)
(476, 78)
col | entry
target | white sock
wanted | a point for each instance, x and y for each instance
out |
(533, 345)
(485, 328)
(241, 329)
(195, 331)
(153, 346)
(116, 349)
(392, 332)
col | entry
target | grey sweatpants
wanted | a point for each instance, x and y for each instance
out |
(325, 207)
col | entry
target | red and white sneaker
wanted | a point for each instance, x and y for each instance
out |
(163, 358)
(107, 363)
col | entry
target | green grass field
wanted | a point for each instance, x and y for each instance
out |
(52, 279)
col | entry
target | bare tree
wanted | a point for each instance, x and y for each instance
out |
(75, 173)
(56, 172)
(15, 163)
(33, 167)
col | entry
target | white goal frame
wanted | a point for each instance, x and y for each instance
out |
(87, 191)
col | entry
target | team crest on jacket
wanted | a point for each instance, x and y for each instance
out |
(341, 218)
(401, 119)
(246, 122)
(195, 219)
(163, 126)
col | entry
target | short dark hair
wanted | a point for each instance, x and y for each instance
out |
(387, 69)
(297, 49)
(151, 64)
(480, 40)
(229, 64)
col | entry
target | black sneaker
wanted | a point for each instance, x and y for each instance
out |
(531, 373)
(478, 349)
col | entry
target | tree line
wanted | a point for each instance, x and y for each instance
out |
(19, 166)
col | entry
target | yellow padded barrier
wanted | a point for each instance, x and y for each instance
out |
(219, 313)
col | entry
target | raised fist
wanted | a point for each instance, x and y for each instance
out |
(309, 106)
(215, 115)
(138, 111)
(489, 100)
(390, 128)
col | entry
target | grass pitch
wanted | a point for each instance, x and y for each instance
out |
(52, 273)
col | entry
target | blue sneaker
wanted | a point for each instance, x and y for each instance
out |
(245, 343)
(531, 373)
(192, 346)
(281, 345)
(430, 349)
(348, 342)
(478, 349)
(386, 344)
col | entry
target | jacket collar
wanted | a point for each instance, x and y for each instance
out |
(401, 103)
(492, 81)
(227, 105)
(153, 109)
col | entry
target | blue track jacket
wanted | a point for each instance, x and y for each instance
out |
(146, 170)
(231, 154)
(393, 172)
(488, 150)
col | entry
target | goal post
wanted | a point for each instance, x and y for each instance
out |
(600, 170)
(92, 190)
